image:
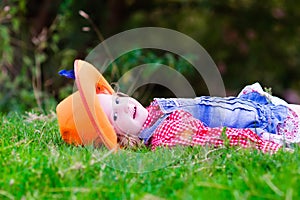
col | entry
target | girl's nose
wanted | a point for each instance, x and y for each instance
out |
(128, 108)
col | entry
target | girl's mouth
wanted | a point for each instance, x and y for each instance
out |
(134, 112)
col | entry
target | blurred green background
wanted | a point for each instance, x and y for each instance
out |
(249, 40)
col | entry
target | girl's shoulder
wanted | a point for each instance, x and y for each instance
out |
(180, 114)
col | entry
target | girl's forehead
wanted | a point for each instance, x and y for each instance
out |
(121, 94)
(105, 99)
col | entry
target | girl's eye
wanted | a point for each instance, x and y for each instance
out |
(115, 117)
(117, 100)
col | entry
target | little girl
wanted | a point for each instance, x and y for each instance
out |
(253, 119)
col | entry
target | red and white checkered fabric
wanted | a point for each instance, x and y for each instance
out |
(181, 128)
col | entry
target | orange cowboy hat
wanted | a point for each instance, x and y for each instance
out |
(81, 119)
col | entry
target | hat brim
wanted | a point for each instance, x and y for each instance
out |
(93, 126)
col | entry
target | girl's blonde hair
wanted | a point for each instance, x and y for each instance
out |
(128, 140)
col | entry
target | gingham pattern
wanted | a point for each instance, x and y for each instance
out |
(181, 128)
(154, 113)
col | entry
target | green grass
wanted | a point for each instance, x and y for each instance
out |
(36, 164)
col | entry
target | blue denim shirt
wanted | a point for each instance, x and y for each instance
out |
(251, 110)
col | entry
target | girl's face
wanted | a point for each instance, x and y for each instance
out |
(125, 113)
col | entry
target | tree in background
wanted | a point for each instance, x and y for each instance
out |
(249, 41)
